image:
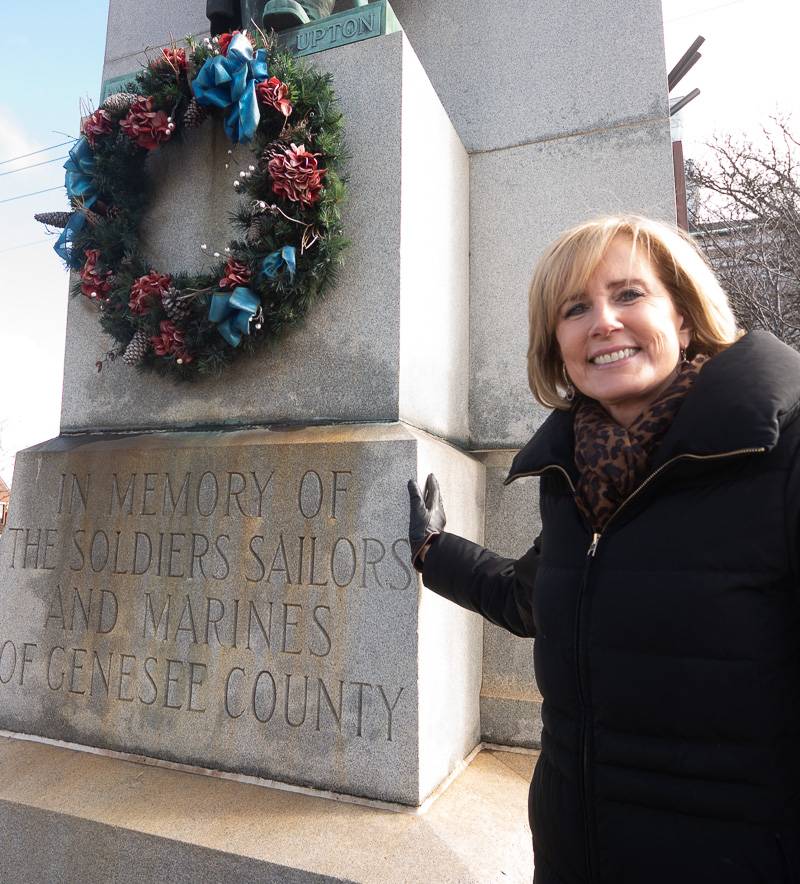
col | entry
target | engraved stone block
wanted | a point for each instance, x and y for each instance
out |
(241, 601)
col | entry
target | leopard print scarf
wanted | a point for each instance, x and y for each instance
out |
(613, 460)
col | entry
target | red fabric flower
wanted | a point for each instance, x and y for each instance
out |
(224, 40)
(295, 175)
(236, 273)
(145, 126)
(170, 342)
(175, 58)
(274, 93)
(146, 289)
(97, 124)
(95, 284)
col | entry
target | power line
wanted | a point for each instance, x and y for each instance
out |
(33, 165)
(24, 245)
(23, 156)
(703, 11)
(22, 196)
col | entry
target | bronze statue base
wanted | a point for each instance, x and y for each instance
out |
(282, 14)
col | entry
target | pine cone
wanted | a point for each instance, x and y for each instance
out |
(53, 219)
(194, 114)
(297, 134)
(120, 102)
(253, 234)
(137, 348)
(175, 308)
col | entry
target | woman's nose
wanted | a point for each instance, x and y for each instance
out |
(606, 319)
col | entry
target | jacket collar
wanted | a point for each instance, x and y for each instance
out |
(741, 400)
(551, 445)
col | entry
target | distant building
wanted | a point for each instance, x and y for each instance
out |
(5, 494)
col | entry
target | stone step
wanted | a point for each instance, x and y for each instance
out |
(74, 816)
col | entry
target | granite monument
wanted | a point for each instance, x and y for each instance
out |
(218, 575)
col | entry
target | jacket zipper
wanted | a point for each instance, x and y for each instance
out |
(737, 453)
(583, 699)
(581, 675)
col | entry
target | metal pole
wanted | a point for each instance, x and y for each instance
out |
(678, 71)
(684, 101)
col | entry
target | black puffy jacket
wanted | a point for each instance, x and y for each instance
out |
(668, 649)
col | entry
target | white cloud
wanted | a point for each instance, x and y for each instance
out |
(32, 296)
(14, 141)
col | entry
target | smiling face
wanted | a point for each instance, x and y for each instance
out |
(621, 337)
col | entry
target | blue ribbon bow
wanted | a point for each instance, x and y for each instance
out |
(79, 179)
(63, 247)
(229, 81)
(80, 185)
(232, 312)
(286, 256)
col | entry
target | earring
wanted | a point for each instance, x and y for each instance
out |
(683, 359)
(570, 391)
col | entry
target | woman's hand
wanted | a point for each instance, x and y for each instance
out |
(427, 518)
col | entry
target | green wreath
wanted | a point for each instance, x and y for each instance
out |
(291, 241)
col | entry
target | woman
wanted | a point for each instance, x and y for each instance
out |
(663, 588)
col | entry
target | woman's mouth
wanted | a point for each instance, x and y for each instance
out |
(613, 356)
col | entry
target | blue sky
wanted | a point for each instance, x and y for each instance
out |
(57, 61)
(70, 33)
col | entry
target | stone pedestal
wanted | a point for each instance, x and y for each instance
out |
(241, 601)
(556, 130)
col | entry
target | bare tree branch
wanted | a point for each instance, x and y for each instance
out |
(744, 209)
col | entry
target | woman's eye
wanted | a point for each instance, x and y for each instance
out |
(574, 310)
(629, 295)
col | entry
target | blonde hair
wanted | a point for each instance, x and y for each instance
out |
(566, 265)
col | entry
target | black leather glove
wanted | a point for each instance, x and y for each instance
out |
(427, 517)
